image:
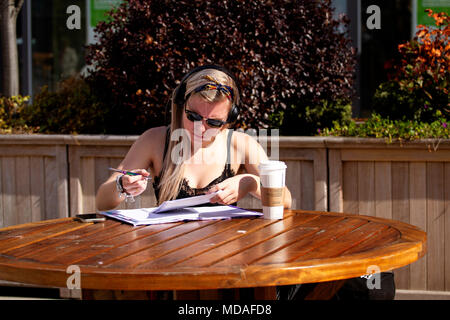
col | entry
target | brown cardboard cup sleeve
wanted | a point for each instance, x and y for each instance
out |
(272, 197)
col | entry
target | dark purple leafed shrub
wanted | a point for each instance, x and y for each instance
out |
(295, 68)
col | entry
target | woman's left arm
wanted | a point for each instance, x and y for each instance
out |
(237, 187)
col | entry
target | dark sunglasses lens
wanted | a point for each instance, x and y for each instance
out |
(214, 123)
(192, 116)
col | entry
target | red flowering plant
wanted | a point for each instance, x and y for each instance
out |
(418, 86)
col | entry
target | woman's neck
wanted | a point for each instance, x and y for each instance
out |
(201, 150)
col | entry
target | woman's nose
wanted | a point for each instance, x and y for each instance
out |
(200, 126)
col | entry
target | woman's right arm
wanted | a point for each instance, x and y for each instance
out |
(139, 158)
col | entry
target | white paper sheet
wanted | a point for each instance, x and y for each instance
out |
(185, 202)
(147, 216)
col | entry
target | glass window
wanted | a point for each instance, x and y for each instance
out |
(379, 46)
(376, 47)
(57, 52)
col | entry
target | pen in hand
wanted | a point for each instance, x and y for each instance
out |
(129, 173)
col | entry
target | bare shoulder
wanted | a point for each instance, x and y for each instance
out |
(147, 150)
(247, 147)
(154, 135)
(240, 139)
(152, 141)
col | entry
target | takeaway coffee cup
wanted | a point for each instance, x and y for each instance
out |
(272, 175)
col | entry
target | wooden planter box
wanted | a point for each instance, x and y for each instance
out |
(410, 183)
(50, 176)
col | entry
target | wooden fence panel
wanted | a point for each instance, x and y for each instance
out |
(335, 181)
(366, 188)
(10, 214)
(37, 178)
(293, 177)
(447, 225)
(418, 206)
(23, 200)
(383, 189)
(400, 210)
(409, 185)
(350, 197)
(435, 226)
(2, 220)
(33, 184)
(89, 169)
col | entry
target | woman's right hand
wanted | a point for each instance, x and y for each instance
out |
(135, 185)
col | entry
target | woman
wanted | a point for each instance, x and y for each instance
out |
(210, 156)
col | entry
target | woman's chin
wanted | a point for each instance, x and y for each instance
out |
(197, 139)
(201, 140)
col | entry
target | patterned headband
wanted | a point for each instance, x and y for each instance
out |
(215, 85)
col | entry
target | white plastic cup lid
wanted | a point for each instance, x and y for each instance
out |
(272, 165)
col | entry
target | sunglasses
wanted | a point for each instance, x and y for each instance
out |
(194, 116)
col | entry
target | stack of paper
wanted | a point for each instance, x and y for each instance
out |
(179, 210)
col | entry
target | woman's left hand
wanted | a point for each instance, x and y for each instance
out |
(234, 189)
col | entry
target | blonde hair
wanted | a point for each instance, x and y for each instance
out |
(172, 173)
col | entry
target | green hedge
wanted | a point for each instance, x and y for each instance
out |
(392, 130)
(71, 109)
(11, 114)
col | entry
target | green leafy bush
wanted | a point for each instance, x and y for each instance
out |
(11, 109)
(71, 109)
(307, 119)
(379, 127)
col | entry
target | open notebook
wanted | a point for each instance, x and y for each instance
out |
(179, 210)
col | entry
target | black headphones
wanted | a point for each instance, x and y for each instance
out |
(181, 90)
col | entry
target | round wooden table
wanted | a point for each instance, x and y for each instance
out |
(304, 247)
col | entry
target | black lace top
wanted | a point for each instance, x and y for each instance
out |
(185, 190)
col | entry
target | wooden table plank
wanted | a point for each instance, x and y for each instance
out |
(123, 249)
(320, 238)
(174, 244)
(122, 234)
(14, 232)
(388, 236)
(35, 236)
(53, 254)
(51, 244)
(257, 252)
(245, 246)
(345, 242)
(225, 244)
